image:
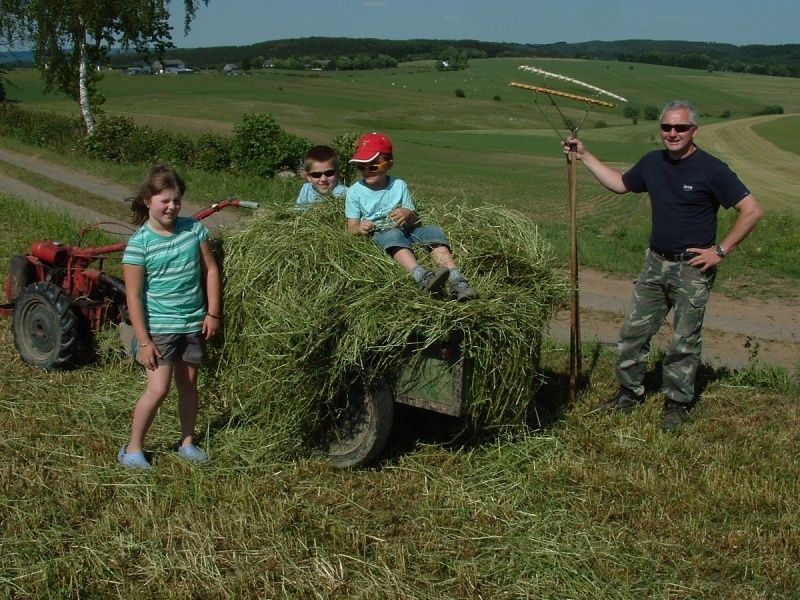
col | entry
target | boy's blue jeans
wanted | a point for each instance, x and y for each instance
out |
(427, 235)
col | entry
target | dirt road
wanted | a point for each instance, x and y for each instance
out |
(734, 328)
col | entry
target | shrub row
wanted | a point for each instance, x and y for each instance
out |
(39, 129)
(259, 145)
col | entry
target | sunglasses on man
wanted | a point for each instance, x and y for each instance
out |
(679, 127)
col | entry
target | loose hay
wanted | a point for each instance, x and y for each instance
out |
(310, 308)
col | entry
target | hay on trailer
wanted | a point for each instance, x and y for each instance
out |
(309, 308)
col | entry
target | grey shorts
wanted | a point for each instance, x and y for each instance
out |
(427, 235)
(188, 347)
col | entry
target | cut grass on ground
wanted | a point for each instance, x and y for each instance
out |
(575, 505)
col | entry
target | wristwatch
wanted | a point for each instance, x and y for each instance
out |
(720, 251)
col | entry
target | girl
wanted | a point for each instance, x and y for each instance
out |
(173, 291)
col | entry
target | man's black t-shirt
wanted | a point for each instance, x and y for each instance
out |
(685, 196)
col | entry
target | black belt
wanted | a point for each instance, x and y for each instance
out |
(673, 256)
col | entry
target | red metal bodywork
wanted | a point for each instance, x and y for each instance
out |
(100, 297)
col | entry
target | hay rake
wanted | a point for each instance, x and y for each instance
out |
(590, 102)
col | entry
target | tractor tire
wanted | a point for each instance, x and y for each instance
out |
(361, 425)
(20, 275)
(45, 326)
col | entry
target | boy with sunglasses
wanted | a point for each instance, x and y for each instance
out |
(382, 207)
(686, 186)
(321, 166)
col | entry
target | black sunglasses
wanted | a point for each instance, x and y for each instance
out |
(318, 174)
(679, 127)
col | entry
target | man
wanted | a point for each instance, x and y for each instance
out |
(686, 186)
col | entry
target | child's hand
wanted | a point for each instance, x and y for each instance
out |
(402, 217)
(148, 356)
(211, 326)
(366, 227)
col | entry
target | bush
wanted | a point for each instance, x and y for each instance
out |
(631, 112)
(600, 124)
(725, 114)
(460, 93)
(111, 139)
(211, 152)
(146, 145)
(344, 144)
(497, 98)
(177, 149)
(261, 147)
(773, 109)
(651, 113)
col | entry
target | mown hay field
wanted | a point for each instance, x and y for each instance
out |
(569, 504)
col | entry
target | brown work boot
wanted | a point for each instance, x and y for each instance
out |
(623, 401)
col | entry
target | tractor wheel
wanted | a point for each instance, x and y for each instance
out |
(361, 425)
(45, 326)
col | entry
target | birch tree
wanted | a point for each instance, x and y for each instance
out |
(71, 39)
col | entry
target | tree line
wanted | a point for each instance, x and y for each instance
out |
(353, 53)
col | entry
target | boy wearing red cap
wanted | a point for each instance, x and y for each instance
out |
(382, 207)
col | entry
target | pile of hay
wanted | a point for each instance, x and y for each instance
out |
(309, 307)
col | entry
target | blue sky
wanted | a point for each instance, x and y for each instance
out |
(241, 22)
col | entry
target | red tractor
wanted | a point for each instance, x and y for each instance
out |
(59, 295)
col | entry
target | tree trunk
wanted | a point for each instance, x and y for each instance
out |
(84, 96)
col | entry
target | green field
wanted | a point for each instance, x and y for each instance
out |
(784, 133)
(476, 149)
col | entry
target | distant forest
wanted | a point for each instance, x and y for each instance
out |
(368, 53)
(334, 53)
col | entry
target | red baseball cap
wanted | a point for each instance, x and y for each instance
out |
(370, 146)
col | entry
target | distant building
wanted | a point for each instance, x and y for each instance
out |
(170, 66)
(140, 67)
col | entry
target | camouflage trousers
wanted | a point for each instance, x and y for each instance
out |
(663, 285)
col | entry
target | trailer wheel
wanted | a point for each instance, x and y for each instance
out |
(361, 424)
(45, 326)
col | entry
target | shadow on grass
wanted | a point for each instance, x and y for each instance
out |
(706, 375)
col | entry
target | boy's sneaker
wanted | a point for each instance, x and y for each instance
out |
(460, 289)
(433, 281)
(675, 415)
(624, 401)
(132, 460)
(193, 454)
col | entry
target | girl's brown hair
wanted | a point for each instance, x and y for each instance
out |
(159, 178)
